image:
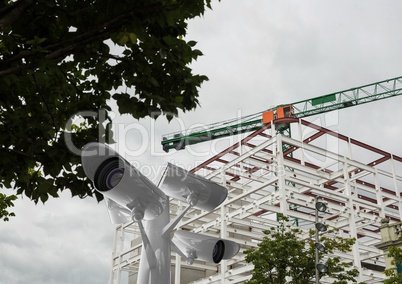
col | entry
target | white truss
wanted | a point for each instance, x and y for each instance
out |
(268, 173)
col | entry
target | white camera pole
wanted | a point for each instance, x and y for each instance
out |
(155, 256)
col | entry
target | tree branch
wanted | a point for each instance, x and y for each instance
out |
(11, 13)
(65, 48)
(100, 30)
(17, 152)
(45, 102)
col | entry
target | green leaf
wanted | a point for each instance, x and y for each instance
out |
(191, 43)
(5, 203)
(133, 38)
(36, 40)
(122, 38)
(44, 197)
(178, 100)
(153, 81)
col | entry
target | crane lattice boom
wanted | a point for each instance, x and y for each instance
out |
(322, 104)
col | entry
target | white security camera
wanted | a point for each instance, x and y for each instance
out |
(117, 213)
(196, 246)
(193, 189)
(128, 193)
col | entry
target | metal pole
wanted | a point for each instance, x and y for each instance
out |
(159, 249)
(317, 273)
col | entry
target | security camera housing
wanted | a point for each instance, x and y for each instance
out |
(122, 183)
(197, 246)
(191, 188)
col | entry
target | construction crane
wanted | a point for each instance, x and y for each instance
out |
(322, 104)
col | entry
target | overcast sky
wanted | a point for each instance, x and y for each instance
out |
(257, 54)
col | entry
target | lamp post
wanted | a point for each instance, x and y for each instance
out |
(319, 247)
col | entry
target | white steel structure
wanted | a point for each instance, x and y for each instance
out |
(268, 173)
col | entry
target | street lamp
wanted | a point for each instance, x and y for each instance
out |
(322, 268)
(320, 206)
(320, 227)
(319, 247)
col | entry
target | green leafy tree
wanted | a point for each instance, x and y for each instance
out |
(59, 57)
(284, 257)
(5, 203)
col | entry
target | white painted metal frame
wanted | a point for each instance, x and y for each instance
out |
(268, 173)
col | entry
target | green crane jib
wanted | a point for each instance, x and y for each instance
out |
(339, 100)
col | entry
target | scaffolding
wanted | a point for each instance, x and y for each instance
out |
(268, 173)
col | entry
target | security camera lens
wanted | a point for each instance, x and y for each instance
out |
(219, 250)
(114, 177)
(109, 174)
